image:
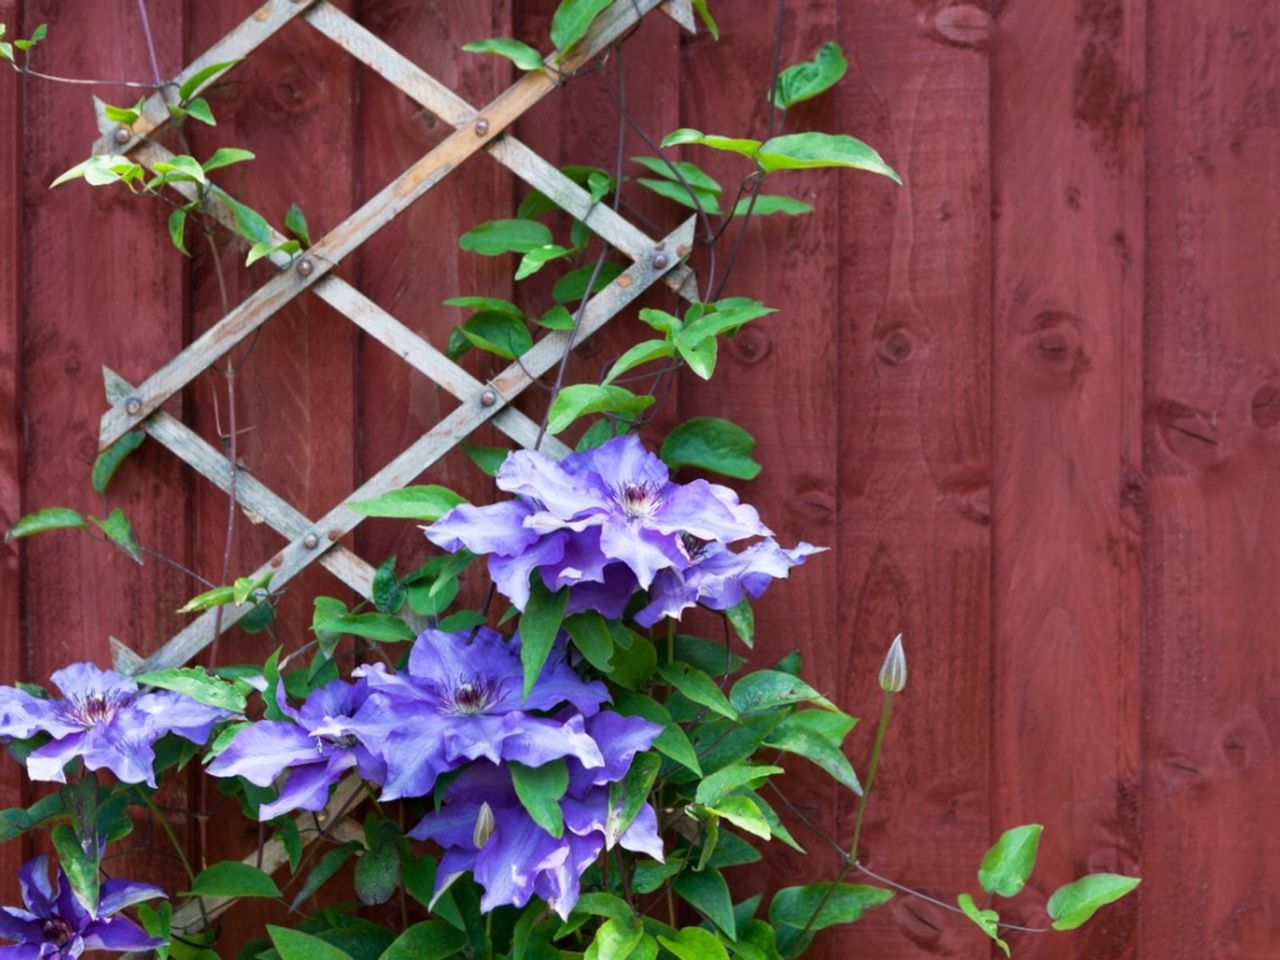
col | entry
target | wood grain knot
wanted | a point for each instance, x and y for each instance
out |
(71, 365)
(1189, 434)
(750, 345)
(1055, 347)
(896, 346)
(1264, 409)
(959, 25)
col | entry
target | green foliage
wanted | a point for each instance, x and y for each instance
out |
(1009, 863)
(840, 903)
(521, 54)
(711, 443)
(197, 683)
(232, 878)
(539, 625)
(425, 503)
(119, 530)
(505, 236)
(581, 399)
(1071, 905)
(987, 920)
(108, 461)
(804, 81)
(540, 790)
(572, 20)
(50, 518)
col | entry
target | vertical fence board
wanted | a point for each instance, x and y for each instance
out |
(1212, 621)
(12, 260)
(914, 462)
(124, 309)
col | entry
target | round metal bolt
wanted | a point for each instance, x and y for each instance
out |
(659, 261)
(488, 398)
(123, 134)
(306, 267)
(482, 127)
(133, 406)
(310, 541)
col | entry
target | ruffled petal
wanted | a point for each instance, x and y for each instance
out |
(33, 882)
(609, 598)
(511, 574)
(82, 680)
(695, 509)
(497, 528)
(46, 763)
(170, 712)
(117, 933)
(506, 864)
(32, 950)
(623, 461)
(116, 894)
(619, 739)
(641, 836)
(307, 786)
(20, 925)
(560, 683)
(645, 551)
(123, 748)
(445, 659)
(263, 751)
(533, 475)
(534, 741)
(22, 715)
(453, 826)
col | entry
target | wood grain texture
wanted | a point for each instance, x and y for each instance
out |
(1211, 624)
(12, 258)
(126, 310)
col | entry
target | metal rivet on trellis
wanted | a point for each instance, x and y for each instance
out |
(122, 135)
(659, 261)
(306, 267)
(488, 398)
(482, 127)
(133, 406)
(311, 541)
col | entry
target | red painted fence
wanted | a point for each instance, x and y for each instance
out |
(1031, 400)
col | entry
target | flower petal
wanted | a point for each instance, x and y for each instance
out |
(645, 551)
(506, 864)
(123, 746)
(511, 574)
(497, 528)
(307, 786)
(534, 741)
(33, 882)
(31, 950)
(116, 894)
(261, 752)
(117, 933)
(84, 680)
(619, 739)
(534, 475)
(46, 763)
(641, 836)
(171, 712)
(20, 925)
(22, 715)
(695, 509)
(623, 461)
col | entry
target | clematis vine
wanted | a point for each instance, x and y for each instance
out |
(485, 830)
(56, 926)
(609, 522)
(460, 700)
(104, 719)
(314, 747)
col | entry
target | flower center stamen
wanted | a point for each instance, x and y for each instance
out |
(95, 709)
(57, 931)
(639, 500)
(471, 697)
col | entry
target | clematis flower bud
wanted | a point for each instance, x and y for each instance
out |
(893, 674)
(484, 826)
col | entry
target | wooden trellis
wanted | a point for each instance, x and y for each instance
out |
(480, 403)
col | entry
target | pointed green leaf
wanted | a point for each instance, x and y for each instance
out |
(573, 285)
(590, 634)
(203, 76)
(673, 741)
(296, 945)
(488, 459)
(232, 878)
(798, 151)
(1009, 863)
(539, 626)
(798, 739)
(50, 518)
(226, 156)
(692, 174)
(373, 626)
(572, 20)
(80, 868)
(429, 503)
(743, 145)
(505, 236)
(428, 940)
(711, 443)
(766, 689)
(296, 223)
(540, 790)
(698, 687)
(804, 81)
(796, 906)
(716, 786)
(644, 352)
(581, 399)
(628, 795)
(708, 893)
(521, 54)
(695, 943)
(109, 460)
(182, 164)
(198, 684)
(200, 109)
(708, 203)
(987, 920)
(539, 257)
(1073, 904)
(767, 203)
(119, 531)
(498, 333)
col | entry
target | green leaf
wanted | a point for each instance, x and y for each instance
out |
(715, 787)
(708, 893)
(429, 940)
(539, 257)
(644, 352)
(210, 598)
(745, 146)
(119, 531)
(699, 355)
(265, 248)
(573, 285)
(572, 20)
(557, 318)
(540, 790)
(177, 227)
(505, 236)
(157, 921)
(296, 945)
(498, 333)
(767, 203)
(628, 795)
(1074, 903)
(80, 868)
(488, 459)
(986, 919)
(539, 625)
(766, 689)
(590, 634)
(743, 813)
(803, 742)
(711, 443)
(1009, 863)
(661, 321)
(831, 725)
(101, 170)
(615, 940)
(232, 878)
(698, 687)
(725, 316)
(124, 115)
(328, 864)
(693, 175)
(521, 54)
(695, 943)
(373, 626)
(804, 81)
(184, 165)
(50, 518)
(580, 399)
(708, 203)
(198, 684)
(708, 21)
(743, 620)
(799, 151)
(673, 741)
(491, 304)
(250, 223)
(203, 76)
(377, 873)
(795, 906)
(429, 503)
(226, 156)
(536, 203)
(386, 592)
(200, 109)
(296, 223)
(246, 587)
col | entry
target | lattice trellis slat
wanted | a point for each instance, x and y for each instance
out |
(480, 403)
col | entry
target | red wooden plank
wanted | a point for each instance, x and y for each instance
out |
(1212, 617)
(911, 322)
(124, 309)
(293, 103)
(12, 665)
(413, 265)
(1068, 168)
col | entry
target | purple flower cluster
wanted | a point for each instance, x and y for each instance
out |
(608, 522)
(104, 719)
(458, 705)
(56, 926)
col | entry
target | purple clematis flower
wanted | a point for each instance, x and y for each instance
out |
(718, 578)
(484, 829)
(461, 701)
(104, 719)
(313, 745)
(603, 522)
(55, 926)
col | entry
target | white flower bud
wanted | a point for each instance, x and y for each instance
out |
(893, 675)
(484, 826)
